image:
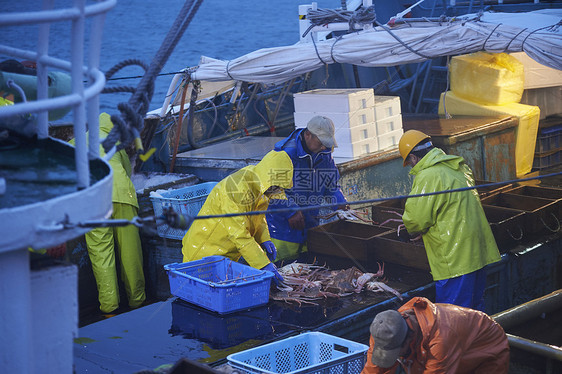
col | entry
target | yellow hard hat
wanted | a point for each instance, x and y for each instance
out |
(409, 140)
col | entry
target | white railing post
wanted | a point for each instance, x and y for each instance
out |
(93, 103)
(76, 59)
(42, 72)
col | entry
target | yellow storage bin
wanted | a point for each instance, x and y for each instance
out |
(528, 116)
(487, 78)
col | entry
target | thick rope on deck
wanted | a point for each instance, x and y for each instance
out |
(118, 67)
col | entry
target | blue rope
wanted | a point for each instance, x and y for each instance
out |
(254, 213)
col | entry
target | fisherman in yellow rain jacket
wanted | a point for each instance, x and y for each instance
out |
(248, 189)
(104, 242)
(457, 236)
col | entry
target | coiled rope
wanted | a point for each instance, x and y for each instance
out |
(129, 124)
(319, 17)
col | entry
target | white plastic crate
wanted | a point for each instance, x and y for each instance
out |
(390, 139)
(186, 200)
(386, 106)
(341, 120)
(389, 124)
(311, 352)
(334, 100)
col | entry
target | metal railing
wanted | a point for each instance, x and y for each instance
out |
(84, 98)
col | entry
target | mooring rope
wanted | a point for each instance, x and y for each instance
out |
(116, 68)
(129, 124)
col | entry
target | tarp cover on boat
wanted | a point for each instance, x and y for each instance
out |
(537, 33)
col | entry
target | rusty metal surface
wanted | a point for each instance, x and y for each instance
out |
(383, 180)
(486, 143)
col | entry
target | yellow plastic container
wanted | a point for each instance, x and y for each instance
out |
(528, 116)
(487, 78)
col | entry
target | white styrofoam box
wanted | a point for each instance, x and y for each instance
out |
(389, 124)
(390, 139)
(334, 100)
(356, 149)
(538, 75)
(341, 120)
(386, 106)
(356, 133)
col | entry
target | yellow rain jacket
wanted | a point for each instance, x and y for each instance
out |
(456, 234)
(123, 188)
(104, 243)
(242, 191)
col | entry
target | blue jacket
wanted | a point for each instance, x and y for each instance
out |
(315, 182)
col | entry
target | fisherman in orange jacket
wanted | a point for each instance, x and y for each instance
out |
(423, 337)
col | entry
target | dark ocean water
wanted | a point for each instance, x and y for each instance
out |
(222, 29)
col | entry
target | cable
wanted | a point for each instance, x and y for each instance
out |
(285, 210)
(369, 201)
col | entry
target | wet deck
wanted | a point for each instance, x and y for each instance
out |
(163, 332)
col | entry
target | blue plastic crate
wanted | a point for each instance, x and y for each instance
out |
(219, 284)
(220, 331)
(549, 139)
(547, 159)
(186, 200)
(311, 352)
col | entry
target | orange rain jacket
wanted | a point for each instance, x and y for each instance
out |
(454, 340)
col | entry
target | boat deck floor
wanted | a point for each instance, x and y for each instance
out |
(165, 331)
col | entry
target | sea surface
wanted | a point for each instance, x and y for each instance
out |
(135, 29)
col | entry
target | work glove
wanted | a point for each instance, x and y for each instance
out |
(270, 249)
(277, 278)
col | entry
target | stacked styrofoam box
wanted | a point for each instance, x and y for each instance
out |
(364, 123)
(388, 119)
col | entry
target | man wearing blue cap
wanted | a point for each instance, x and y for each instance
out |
(315, 182)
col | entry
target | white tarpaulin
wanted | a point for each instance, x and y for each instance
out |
(539, 34)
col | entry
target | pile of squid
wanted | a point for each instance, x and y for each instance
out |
(307, 283)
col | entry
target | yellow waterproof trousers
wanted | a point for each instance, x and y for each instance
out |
(102, 242)
(288, 251)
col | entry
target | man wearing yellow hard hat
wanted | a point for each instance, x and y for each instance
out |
(456, 234)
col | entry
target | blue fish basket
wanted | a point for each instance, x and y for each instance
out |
(186, 200)
(219, 284)
(311, 352)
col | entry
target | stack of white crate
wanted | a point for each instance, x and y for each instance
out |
(388, 120)
(364, 123)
